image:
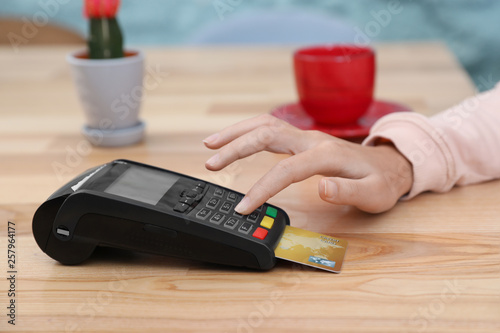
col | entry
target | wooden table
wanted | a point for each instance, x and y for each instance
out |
(431, 264)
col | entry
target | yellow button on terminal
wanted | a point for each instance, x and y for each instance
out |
(267, 222)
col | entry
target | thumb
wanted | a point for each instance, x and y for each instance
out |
(361, 193)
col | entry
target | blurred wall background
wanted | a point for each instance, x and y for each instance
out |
(470, 28)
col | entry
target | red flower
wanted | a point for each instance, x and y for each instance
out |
(101, 8)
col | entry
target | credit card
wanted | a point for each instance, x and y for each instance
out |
(311, 249)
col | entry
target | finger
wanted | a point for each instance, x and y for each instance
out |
(232, 132)
(368, 194)
(269, 138)
(288, 171)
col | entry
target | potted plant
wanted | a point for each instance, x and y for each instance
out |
(108, 79)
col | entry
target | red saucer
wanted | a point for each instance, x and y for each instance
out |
(295, 115)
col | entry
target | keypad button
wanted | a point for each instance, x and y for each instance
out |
(190, 194)
(231, 196)
(267, 222)
(198, 190)
(253, 216)
(259, 209)
(245, 228)
(218, 192)
(186, 200)
(271, 211)
(226, 207)
(200, 184)
(203, 213)
(231, 223)
(212, 203)
(237, 214)
(181, 207)
(217, 218)
(260, 233)
(185, 192)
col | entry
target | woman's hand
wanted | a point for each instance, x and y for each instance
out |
(370, 178)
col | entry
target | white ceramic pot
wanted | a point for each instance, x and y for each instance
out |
(111, 93)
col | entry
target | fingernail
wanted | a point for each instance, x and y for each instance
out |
(213, 160)
(211, 139)
(331, 188)
(243, 205)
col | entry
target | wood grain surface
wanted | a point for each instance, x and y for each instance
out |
(431, 264)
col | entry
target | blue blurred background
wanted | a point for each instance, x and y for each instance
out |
(470, 28)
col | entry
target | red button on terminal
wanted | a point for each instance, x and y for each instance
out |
(260, 233)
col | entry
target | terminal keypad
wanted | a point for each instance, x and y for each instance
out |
(219, 210)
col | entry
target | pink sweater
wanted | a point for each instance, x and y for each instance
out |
(458, 146)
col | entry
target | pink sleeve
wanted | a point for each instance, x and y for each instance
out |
(458, 146)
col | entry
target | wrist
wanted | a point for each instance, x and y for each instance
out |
(399, 171)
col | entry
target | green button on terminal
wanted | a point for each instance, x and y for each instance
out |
(271, 211)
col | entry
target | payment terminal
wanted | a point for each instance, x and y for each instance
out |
(129, 205)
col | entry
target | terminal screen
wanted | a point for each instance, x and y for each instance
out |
(142, 184)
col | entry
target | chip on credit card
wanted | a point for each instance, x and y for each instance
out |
(311, 249)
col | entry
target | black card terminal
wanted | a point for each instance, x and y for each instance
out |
(129, 205)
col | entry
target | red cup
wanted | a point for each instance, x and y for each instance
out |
(335, 83)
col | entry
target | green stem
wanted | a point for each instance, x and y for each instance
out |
(105, 39)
